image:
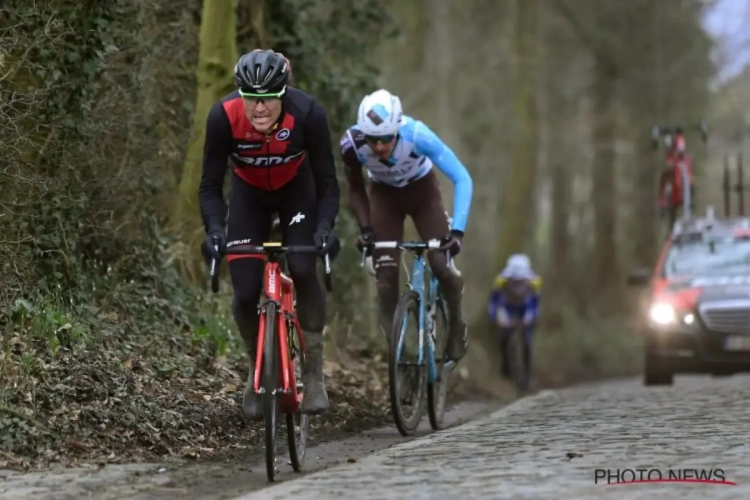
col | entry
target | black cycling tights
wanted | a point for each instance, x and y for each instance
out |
(250, 217)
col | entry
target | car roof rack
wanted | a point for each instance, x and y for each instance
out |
(697, 229)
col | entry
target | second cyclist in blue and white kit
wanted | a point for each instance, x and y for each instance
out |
(399, 153)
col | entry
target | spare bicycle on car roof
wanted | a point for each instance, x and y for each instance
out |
(677, 183)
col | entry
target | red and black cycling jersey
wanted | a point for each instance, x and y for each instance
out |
(299, 139)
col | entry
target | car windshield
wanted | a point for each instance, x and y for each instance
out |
(729, 257)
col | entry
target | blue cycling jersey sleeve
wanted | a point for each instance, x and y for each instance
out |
(493, 303)
(496, 300)
(533, 302)
(427, 143)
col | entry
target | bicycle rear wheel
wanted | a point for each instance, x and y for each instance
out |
(437, 391)
(407, 379)
(671, 219)
(297, 423)
(270, 383)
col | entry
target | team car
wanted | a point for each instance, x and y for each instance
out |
(698, 318)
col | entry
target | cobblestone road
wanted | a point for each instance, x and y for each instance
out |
(522, 450)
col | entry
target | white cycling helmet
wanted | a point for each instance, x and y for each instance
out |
(518, 267)
(380, 113)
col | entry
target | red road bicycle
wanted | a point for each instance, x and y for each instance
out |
(280, 353)
(677, 184)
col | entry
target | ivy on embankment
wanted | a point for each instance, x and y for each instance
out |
(83, 251)
(84, 256)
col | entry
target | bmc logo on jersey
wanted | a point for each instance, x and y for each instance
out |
(267, 161)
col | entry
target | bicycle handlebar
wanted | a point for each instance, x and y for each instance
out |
(407, 245)
(271, 248)
(659, 131)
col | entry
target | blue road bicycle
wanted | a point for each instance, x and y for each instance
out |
(417, 366)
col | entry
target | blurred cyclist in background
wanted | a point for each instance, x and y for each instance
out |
(514, 302)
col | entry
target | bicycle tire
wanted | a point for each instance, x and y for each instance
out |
(407, 303)
(297, 444)
(270, 379)
(671, 219)
(438, 390)
(515, 359)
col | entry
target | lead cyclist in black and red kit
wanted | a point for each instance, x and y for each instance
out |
(277, 139)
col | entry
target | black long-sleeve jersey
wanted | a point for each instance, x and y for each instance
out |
(300, 139)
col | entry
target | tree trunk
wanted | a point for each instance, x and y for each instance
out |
(647, 110)
(517, 204)
(560, 237)
(645, 235)
(604, 188)
(516, 207)
(216, 60)
(560, 121)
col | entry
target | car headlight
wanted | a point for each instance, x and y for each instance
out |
(663, 314)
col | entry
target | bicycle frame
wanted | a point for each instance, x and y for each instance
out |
(428, 299)
(673, 137)
(431, 297)
(278, 292)
(279, 288)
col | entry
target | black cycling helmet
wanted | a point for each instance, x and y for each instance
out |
(262, 72)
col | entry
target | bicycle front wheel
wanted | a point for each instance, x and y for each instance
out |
(406, 376)
(437, 391)
(297, 423)
(270, 383)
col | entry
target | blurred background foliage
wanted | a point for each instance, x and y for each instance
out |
(548, 103)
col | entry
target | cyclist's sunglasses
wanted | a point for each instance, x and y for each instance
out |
(254, 96)
(372, 139)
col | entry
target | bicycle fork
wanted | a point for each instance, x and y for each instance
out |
(284, 341)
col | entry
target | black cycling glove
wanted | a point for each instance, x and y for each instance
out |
(453, 242)
(327, 242)
(218, 233)
(365, 238)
